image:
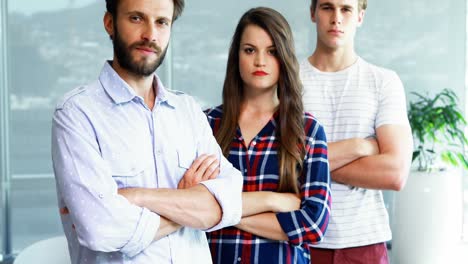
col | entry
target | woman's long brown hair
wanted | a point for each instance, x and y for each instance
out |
(290, 129)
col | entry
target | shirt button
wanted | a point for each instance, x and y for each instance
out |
(239, 259)
(254, 143)
(245, 170)
(101, 195)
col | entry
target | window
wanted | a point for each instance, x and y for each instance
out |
(200, 47)
(52, 46)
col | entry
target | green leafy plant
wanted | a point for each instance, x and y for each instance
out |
(438, 129)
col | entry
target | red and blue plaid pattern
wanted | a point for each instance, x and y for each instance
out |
(259, 165)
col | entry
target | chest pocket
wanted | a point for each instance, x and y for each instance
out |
(128, 175)
(184, 159)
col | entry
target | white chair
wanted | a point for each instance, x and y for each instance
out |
(51, 251)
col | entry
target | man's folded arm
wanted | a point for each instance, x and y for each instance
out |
(102, 219)
(194, 207)
(387, 170)
(343, 152)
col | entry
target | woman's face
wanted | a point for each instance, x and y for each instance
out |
(258, 64)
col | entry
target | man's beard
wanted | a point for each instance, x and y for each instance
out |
(125, 60)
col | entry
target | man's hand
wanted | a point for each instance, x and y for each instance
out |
(388, 170)
(204, 168)
(343, 152)
(286, 202)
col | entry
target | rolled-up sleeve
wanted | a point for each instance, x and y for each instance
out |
(102, 219)
(309, 223)
(227, 187)
(227, 190)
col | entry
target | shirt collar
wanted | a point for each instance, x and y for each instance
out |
(121, 92)
(268, 130)
(164, 96)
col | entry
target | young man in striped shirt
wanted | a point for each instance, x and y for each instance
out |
(363, 110)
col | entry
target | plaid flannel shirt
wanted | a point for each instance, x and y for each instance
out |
(259, 165)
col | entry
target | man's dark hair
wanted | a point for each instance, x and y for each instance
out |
(111, 6)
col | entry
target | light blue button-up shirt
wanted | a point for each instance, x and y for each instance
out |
(104, 138)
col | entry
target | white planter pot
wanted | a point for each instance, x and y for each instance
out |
(428, 219)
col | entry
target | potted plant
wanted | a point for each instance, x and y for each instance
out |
(428, 212)
(437, 125)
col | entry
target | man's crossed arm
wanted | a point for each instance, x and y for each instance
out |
(190, 205)
(381, 163)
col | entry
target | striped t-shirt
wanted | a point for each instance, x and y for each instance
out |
(353, 103)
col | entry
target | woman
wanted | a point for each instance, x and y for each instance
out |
(281, 151)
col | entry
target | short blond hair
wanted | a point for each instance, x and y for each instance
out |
(362, 5)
